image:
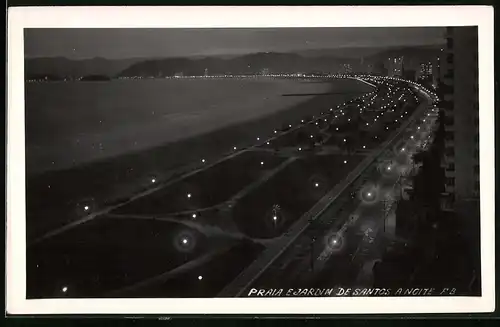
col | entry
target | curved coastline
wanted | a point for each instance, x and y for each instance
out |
(120, 176)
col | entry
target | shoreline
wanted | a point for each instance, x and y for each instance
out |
(108, 180)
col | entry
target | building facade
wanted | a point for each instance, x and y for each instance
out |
(395, 66)
(459, 74)
(425, 70)
(346, 69)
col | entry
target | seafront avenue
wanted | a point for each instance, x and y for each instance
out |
(264, 195)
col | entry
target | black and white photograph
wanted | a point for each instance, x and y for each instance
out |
(250, 153)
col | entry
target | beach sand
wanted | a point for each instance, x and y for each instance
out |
(55, 198)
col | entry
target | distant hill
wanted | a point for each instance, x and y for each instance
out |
(63, 67)
(352, 53)
(364, 52)
(246, 64)
(421, 52)
(320, 60)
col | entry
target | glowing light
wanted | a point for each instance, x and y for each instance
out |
(189, 195)
(64, 289)
(345, 161)
(153, 180)
(184, 241)
(345, 140)
(200, 277)
(275, 218)
(300, 149)
(234, 148)
(194, 215)
(258, 139)
(364, 146)
(86, 208)
(262, 163)
(203, 160)
(316, 184)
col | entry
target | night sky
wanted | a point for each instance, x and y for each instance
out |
(130, 43)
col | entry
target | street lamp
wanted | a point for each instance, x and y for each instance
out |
(313, 240)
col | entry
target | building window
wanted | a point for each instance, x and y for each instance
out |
(449, 136)
(449, 43)
(450, 151)
(446, 89)
(448, 104)
(449, 58)
(449, 121)
(450, 181)
(451, 167)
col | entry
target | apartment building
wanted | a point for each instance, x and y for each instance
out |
(459, 73)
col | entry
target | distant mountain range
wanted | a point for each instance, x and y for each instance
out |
(321, 60)
(367, 52)
(247, 64)
(64, 67)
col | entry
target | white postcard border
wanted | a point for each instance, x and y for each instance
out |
(223, 17)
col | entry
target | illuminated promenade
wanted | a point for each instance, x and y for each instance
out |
(248, 208)
(331, 241)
